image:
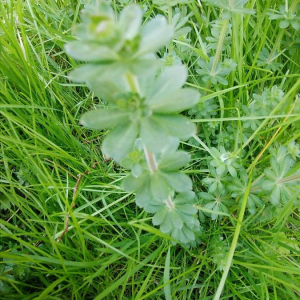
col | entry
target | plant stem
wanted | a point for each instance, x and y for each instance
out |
(151, 160)
(170, 203)
(234, 241)
(135, 88)
(133, 83)
(219, 46)
(170, 23)
(150, 157)
(231, 2)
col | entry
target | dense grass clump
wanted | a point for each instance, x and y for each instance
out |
(69, 231)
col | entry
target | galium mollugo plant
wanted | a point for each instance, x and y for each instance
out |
(143, 113)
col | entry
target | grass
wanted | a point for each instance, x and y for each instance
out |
(111, 250)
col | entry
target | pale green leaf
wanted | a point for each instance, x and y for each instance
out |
(167, 226)
(104, 118)
(177, 125)
(268, 185)
(87, 72)
(188, 233)
(159, 187)
(119, 141)
(275, 196)
(174, 161)
(176, 219)
(178, 181)
(130, 21)
(186, 197)
(132, 184)
(89, 51)
(187, 209)
(155, 34)
(169, 81)
(153, 135)
(175, 102)
(160, 216)
(143, 197)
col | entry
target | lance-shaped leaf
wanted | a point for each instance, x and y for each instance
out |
(120, 141)
(104, 118)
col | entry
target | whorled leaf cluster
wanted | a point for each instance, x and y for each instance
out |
(143, 113)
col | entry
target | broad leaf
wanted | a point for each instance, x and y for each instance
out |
(133, 184)
(176, 101)
(104, 118)
(183, 198)
(159, 187)
(167, 226)
(275, 196)
(130, 21)
(187, 209)
(177, 125)
(176, 219)
(143, 198)
(174, 161)
(178, 181)
(160, 216)
(90, 51)
(188, 233)
(153, 135)
(170, 80)
(155, 34)
(120, 141)
(87, 72)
